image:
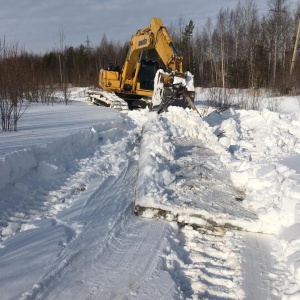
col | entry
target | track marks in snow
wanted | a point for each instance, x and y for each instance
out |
(206, 263)
(124, 260)
(261, 268)
(42, 194)
(107, 218)
(220, 264)
(131, 260)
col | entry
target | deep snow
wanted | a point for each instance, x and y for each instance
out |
(71, 176)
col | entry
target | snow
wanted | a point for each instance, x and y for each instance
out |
(187, 82)
(217, 199)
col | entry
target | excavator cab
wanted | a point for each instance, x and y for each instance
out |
(147, 74)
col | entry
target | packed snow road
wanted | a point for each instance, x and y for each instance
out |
(203, 191)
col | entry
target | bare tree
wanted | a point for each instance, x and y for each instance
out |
(278, 9)
(251, 25)
(13, 86)
(64, 85)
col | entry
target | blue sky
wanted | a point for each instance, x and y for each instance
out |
(37, 24)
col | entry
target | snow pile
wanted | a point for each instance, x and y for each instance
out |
(184, 195)
(260, 136)
(248, 143)
(234, 179)
(158, 92)
(267, 191)
(157, 150)
(257, 142)
(187, 123)
(16, 165)
(41, 157)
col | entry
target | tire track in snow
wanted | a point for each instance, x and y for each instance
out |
(134, 257)
(108, 193)
(121, 263)
(113, 197)
(220, 264)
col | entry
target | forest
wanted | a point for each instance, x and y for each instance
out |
(240, 48)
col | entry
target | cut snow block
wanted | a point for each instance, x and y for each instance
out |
(289, 211)
(21, 162)
(240, 179)
(15, 165)
(181, 178)
(48, 169)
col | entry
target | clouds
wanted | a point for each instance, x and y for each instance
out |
(37, 24)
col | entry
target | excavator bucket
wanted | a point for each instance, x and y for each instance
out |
(179, 97)
(176, 89)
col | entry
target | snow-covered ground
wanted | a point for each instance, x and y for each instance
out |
(216, 203)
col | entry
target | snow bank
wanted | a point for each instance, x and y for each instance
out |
(46, 178)
(46, 158)
(157, 96)
(257, 142)
(260, 136)
(158, 185)
(249, 143)
(16, 165)
(268, 191)
(157, 149)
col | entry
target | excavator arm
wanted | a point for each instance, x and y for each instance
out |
(155, 37)
(164, 46)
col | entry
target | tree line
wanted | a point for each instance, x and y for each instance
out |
(242, 49)
(239, 49)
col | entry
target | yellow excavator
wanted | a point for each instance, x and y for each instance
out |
(141, 80)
